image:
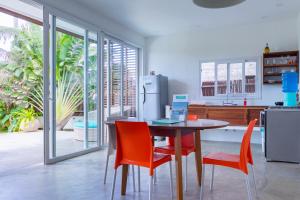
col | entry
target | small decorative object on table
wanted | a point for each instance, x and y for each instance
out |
(179, 107)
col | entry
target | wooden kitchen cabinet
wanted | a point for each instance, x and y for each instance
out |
(235, 115)
(201, 112)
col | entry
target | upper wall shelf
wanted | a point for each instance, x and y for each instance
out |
(274, 64)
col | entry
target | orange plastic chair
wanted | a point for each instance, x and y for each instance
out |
(235, 161)
(135, 147)
(187, 143)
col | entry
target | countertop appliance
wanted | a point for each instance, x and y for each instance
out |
(154, 94)
(282, 134)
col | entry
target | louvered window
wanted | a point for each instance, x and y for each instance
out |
(130, 80)
(120, 77)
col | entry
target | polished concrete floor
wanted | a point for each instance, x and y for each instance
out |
(82, 178)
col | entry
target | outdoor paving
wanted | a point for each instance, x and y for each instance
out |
(26, 149)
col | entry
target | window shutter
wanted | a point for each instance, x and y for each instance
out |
(113, 59)
(115, 64)
(129, 80)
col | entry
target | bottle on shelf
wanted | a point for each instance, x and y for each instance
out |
(267, 49)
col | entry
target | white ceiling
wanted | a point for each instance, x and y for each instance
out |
(161, 17)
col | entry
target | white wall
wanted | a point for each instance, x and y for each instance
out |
(177, 56)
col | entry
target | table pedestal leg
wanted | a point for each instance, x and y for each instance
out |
(178, 165)
(198, 156)
(124, 179)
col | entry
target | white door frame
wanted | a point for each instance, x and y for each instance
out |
(49, 60)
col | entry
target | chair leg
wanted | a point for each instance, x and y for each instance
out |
(150, 187)
(248, 187)
(155, 178)
(113, 186)
(186, 174)
(171, 179)
(212, 177)
(254, 181)
(202, 183)
(106, 166)
(133, 177)
(139, 179)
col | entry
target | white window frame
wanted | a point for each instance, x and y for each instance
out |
(228, 95)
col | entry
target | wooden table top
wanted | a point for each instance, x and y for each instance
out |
(199, 124)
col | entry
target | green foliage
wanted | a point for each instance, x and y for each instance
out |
(69, 95)
(25, 63)
(25, 116)
(24, 67)
(69, 55)
(22, 87)
(10, 119)
(3, 113)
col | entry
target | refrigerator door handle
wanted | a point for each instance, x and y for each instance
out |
(144, 94)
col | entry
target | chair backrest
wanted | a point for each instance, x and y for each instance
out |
(245, 152)
(115, 118)
(112, 131)
(186, 140)
(134, 143)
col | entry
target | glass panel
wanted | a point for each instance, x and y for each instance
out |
(92, 90)
(69, 79)
(236, 78)
(250, 77)
(221, 78)
(208, 79)
(129, 81)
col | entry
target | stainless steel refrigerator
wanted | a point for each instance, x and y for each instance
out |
(154, 96)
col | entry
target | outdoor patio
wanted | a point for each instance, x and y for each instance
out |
(23, 150)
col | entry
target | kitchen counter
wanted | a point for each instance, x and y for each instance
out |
(231, 106)
(236, 115)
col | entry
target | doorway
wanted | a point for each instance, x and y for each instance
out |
(72, 89)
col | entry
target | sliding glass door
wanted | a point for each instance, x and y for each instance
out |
(79, 94)
(71, 89)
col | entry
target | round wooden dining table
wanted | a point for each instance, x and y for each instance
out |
(177, 130)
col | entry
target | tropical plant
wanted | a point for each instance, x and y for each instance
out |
(69, 96)
(3, 113)
(23, 68)
(36, 98)
(24, 65)
(10, 119)
(25, 117)
(69, 54)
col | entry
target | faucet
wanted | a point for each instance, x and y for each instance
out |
(227, 100)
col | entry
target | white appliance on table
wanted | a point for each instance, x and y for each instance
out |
(154, 96)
